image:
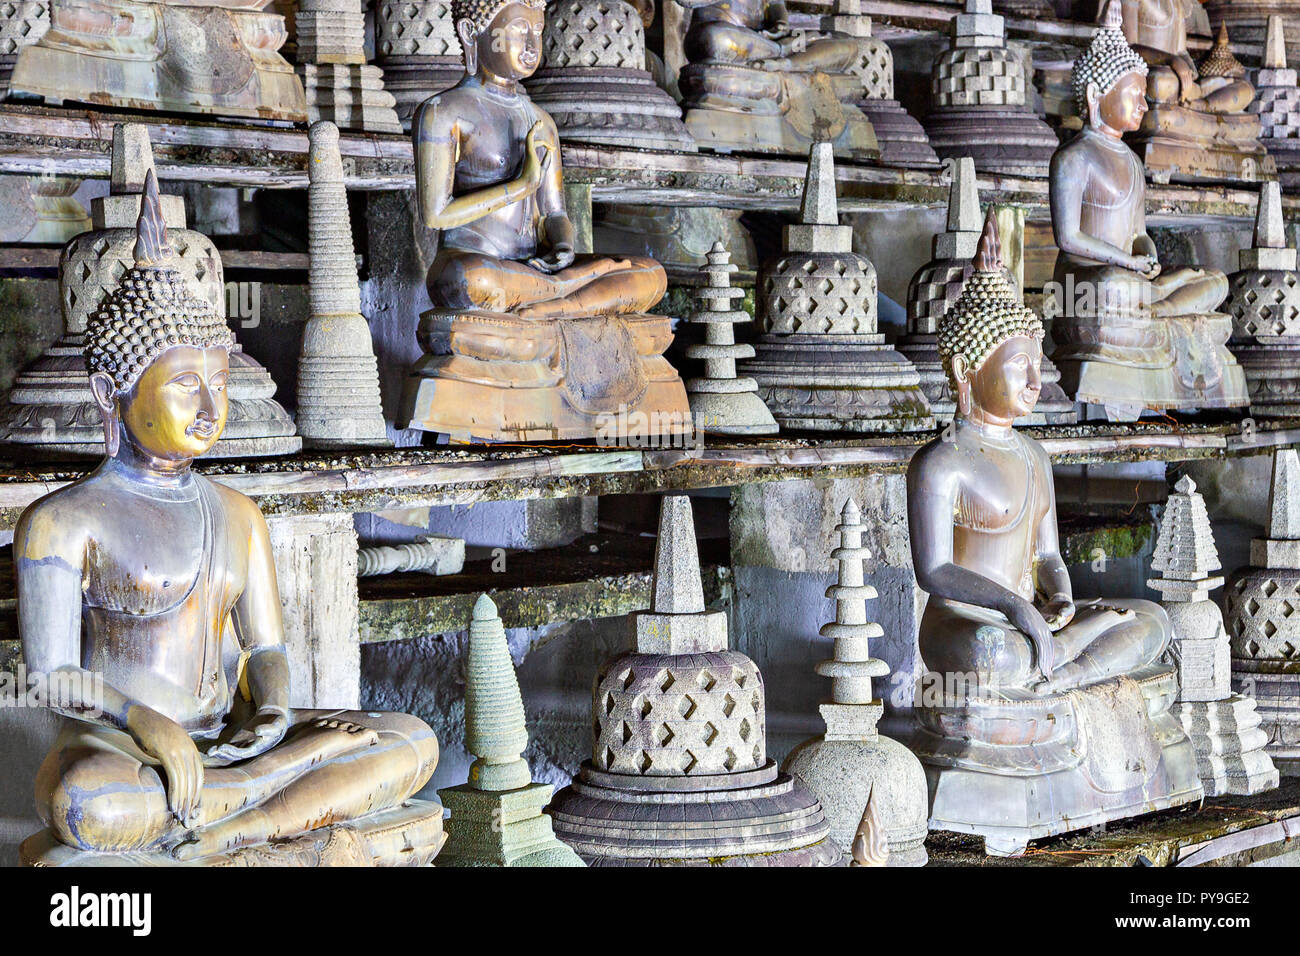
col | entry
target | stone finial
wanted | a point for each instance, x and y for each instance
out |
(979, 6)
(1269, 250)
(494, 711)
(1281, 547)
(1275, 44)
(333, 285)
(819, 205)
(1270, 230)
(677, 622)
(963, 232)
(1185, 554)
(870, 843)
(132, 158)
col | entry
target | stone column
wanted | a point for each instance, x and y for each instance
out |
(340, 86)
(316, 569)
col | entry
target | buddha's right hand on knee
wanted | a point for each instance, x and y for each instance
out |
(161, 737)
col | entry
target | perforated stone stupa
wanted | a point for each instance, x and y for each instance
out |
(1277, 101)
(938, 284)
(1264, 302)
(1263, 625)
(679, 773)
(820, 363)
(1224, 727)
(852, 764)
(417, 48)
(594, 83)
(496, 817)
(51, 411)
(979, 105)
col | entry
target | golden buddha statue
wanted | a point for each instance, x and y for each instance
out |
(160, 585)
(541, 340)
(1131, 337)
(1198, 125)
(1053, 713)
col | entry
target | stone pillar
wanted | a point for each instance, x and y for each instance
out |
(340, 86)
(316, 569)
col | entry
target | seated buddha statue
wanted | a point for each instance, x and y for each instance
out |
(541, 339)
(752, 84)
(150, 591)
(1053, 711)
(1131, 336)
(1198, 125)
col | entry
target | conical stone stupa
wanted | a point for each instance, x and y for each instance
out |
(1277, 102)
(1224, 727)
(679, 773)
(496, 817)
(852, 765)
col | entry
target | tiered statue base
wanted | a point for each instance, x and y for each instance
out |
(1003, 140)
(1176, 142)
(902, 139)
(1272, 377)
(732, 108)
(611, 107)
(851, 383)
(1276, 694)
(1229, 744)
(52, 414)
(1016, 769)
(1131, 363)
(760, 818)
(409, 835)
(504, 378)
(506, 828)
(163, 56)
(413, 79)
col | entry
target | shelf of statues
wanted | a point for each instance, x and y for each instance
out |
(361, 481)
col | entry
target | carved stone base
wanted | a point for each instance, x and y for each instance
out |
(902, 139)
(1177, 143)
(772, 821)
(350, 96)
(850, 383)
(1014, 770)
(1011, 142)
(1277, 701)
(1132, 363)
(610, 107)
(1273, 378)
(511, 379)
(411, 80)
(502, 829)
(156, 56)
(409, 835)
(1229, 744)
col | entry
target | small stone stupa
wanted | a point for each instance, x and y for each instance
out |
(679, 773)
(496, 818)
(417, 48)
(1277, 101)
(338, 376)
(901, 138)
(1224, 727)
(51, 412)
(721, 403)
(342, 88)
(594, 83)
(1264, 302)
(1248, 21)
(938, 284)
(820, 363)
(852, 765)
(1262, 624)
(979, 101)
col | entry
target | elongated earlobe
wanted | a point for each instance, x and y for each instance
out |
(104, 389)
(468, 45)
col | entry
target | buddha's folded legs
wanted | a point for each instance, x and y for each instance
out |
(728, 43)
(1188, 292)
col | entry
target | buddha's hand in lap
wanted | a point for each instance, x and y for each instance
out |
(560, 257)
(1030, 621)
(1058, 612)
(1145, 265)
(263, 731)
(162, 738)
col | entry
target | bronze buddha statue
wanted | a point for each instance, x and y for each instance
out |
(526, 339)
(160, 584)
(1054, 711)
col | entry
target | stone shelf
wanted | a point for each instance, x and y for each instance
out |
(38, 140)
(599, 575)
(46, 258)
(404, 478)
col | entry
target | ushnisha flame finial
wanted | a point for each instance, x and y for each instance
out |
(151, 246)
(988, 254)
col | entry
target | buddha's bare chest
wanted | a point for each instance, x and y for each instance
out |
(492, 150)
(997, 491)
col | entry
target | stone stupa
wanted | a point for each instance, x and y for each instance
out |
(51, 412)
(820, 363)
(496, 817)
(852, 764)
(1264, 629)
(417, 48)
(938, 284)
(980, 105)
(679, 773)
(342, 88)
(1224, 727)
(1264, 302)
(722, 403)
(1277, 103)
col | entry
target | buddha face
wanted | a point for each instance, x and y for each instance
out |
(1122, 109)
(177, 409)
(510, 48)
(1006, 386)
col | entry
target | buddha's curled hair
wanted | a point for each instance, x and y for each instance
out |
(481, 12)
(1107, 60)
(151, 309)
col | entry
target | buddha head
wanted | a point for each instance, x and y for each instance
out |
(157, 354)
(500, 38)
(991, 345)
(1109, 80)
